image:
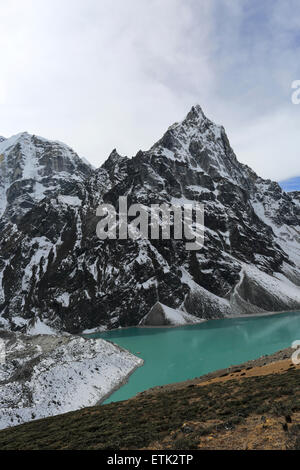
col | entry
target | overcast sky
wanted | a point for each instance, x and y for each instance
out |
(100, 74)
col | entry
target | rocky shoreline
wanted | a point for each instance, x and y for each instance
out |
(248, 315)
(124, 381)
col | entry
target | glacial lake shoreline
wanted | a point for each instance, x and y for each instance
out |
(187, 352)
(246, 315)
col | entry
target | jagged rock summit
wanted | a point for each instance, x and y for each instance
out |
(54, 269)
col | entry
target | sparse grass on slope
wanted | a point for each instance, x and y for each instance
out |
(177, 419)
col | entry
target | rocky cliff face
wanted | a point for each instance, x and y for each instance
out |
(54, 268)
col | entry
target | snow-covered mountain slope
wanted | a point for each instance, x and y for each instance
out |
(54, 269)
(32, 168)
(295, 195)
(162, 315)
(49, 375)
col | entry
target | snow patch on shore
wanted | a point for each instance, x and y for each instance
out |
(49, 375)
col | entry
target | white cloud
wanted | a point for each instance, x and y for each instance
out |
(100, 75)
(268, 145)
(2, 92)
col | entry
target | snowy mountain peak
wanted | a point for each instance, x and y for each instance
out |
(54, 269)
(202, 146)
(32, 167)
(113, 158)
(116, 166)
(195, 119)
(196, 114)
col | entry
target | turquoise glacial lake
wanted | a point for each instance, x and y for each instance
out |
(177, 354)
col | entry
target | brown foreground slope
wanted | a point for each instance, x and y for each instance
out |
(253, 406)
